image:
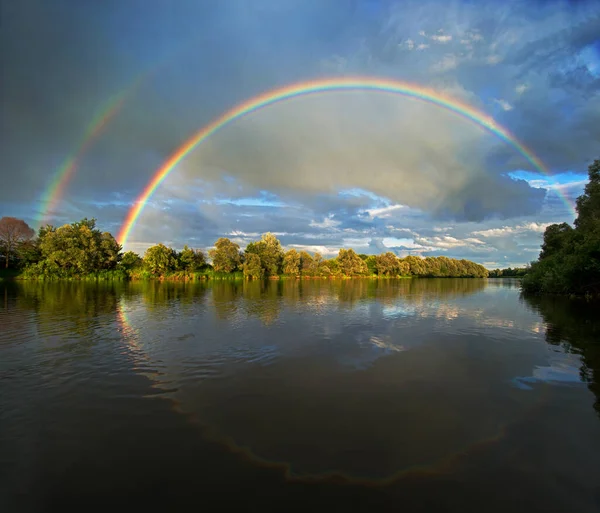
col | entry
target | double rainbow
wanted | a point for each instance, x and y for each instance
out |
(320, 86)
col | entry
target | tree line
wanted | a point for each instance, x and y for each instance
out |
(80, 249)
(569, 262)
(509, 272)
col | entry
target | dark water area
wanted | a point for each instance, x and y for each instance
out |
(447, 395)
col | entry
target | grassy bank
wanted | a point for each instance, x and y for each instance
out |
(180, 276)
(112, 275)
(118, 275)
(142, 275)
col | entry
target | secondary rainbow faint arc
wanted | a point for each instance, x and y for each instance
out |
(318, 86)
(113, 106)
(54, 192)
(56, 189)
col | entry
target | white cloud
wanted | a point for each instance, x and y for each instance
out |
(243, 235)
(447, 242)
(391, 242)
(401, 230)
(327, 222)
(383, 212)
(448, 62)
(444, 38)
(503, 104)
(512, 230)
(325, 251)
(521, 88)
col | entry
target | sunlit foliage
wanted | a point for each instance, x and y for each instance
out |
(81, 250)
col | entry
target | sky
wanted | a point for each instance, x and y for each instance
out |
(371, 171)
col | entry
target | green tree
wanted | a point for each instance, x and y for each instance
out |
(332, 264)
(29, 253)
(387, 264)
(371, 262)
(160, 259)
(569, 262)
(556, 238)
(130, 260)
(76, 249)
(307, 264)
(110, 252)
(588, 204)
(252, 266)
(269, 249)
(325, 267)
(291, 263)
(225, 256)
(416, 265)
(432, 266)
(191, 260)
(403, 267)
(350, 264)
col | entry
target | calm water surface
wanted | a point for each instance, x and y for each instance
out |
(354, 395)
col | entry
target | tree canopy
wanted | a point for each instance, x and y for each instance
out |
(569, 261)
(80, 249)
(76, 249)
(225, 256)
(270, 253)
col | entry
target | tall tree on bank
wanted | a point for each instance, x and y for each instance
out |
(588, 204)
(569, 262)
(160, 259)
(13, 233)
(252, 267)
(270, 252)
(225, 256)
(350, 264)
(191, 259)
(291, 263)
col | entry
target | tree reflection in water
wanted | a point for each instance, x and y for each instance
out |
(574, 326)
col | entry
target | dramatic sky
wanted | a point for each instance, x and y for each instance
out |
(341, 169)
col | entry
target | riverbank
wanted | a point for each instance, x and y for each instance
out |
(181, 276)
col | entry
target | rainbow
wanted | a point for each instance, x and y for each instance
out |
(319, 86)
(54, 192)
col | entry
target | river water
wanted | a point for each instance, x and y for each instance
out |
(351, 395)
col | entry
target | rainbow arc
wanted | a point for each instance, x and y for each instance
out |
(296, 90)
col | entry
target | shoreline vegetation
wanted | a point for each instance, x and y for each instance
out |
(569, 261)
(80, 251)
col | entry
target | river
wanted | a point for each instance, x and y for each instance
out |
(351, 395)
